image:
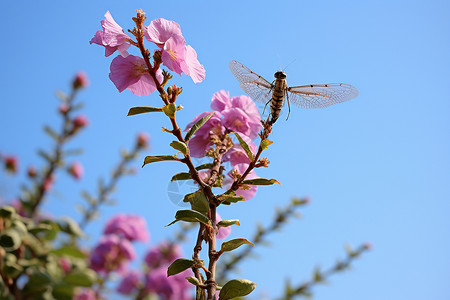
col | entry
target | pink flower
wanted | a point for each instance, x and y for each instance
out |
(202, 138)
(221, 101)
(80, 121)
(175, 54)
(160, 30)
(112, 37)
(85, 294)
(173, 287)
(80, 81)
(242, 117)
(129, 283)
(163, 254)
(48, 183)
(131, 227)
(112, 254)
(132, 73)
(247, 194)
(64, 108)
(223, 231)
(76, 170)
(64, 263)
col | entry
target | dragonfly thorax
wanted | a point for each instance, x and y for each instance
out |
(280, 75)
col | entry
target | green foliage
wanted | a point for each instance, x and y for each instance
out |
(179, 266)
(198, 202)
(236, 288)
(226, 223)
(143, 109)
(260, 181)
(152, 159)
(244, 146)
(197, 126)
(170, 110)
(180, 146)
(191, 216)
(234, 244)
(181, 176)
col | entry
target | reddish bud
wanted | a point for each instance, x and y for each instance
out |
(32, 172)
(64, 108)
(80, 81)
(76, 170)
(48, 183)
(11, 163)
(142, 140)
(367, 246)
(80, 121)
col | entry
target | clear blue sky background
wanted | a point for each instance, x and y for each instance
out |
(376, 168)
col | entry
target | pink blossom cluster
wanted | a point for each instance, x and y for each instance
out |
(155, 280)
(132, 72)
(231, 114)
(115, 250)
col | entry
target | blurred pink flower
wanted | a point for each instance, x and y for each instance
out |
(175, 54)
(85, 294)
(173, 287)
(80, 121)
(112, 254)
(130, 282)
(247, 194)
(64, 263)
(80, 81)
(130, 227)
(132, 73)
(48, 183)
(64, 108)
(163, 254)
(76, 170)
(112, 37)
(223, 232)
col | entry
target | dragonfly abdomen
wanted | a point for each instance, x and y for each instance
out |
(277, 101)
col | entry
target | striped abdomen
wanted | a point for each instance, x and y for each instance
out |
(277, 96)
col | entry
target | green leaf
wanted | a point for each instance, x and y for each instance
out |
(181, 176)
(10, 240)
(170, 110)
(197, 126)
(265, 143)
(260, 181)
(63, 291)
(179, 266)
(69, 226)
(37, 282)
(41, 228)
(143, 109)
(152, 159)
(12, 269)
(204, 166)
(244, 146)
(233, 244)
(236, 288)
(198, 201)
(69, 251)
(193, 280)
(180, 146)
(86, 278)
(190, 216)
(51, 132)
(232, 199)
(226, 223)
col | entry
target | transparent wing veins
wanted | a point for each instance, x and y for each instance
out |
(321, 95)
(254, 85)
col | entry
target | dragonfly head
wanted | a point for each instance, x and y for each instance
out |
(280, 75)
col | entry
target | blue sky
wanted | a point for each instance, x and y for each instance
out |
(376, 168)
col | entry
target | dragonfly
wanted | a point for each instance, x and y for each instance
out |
(275, 93)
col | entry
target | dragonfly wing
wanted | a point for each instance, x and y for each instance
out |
(254, 85)
(321, 95)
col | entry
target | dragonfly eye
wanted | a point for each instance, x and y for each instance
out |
(280, 75)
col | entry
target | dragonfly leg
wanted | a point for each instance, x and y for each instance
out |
(289, 105)
(266, 105)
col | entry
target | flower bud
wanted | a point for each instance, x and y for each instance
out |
(11, 164)
(76, 170)
(80, 81)
(31, 172)
(142, 140)
(80, 121)
(64, 108)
